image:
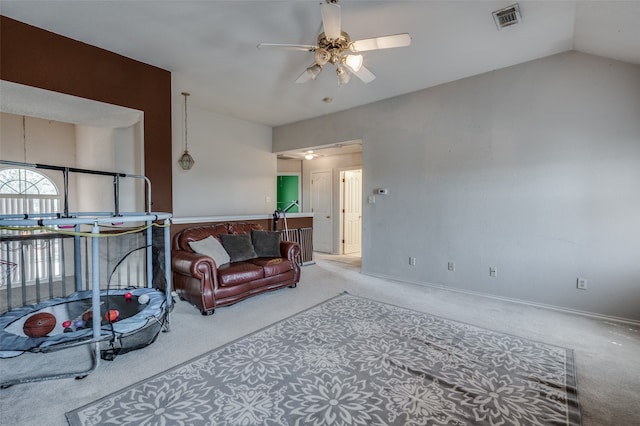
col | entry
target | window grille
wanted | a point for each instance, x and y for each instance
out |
(25, 191)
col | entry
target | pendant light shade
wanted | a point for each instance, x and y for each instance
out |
(186, 161)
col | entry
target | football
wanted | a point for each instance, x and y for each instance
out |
(39, 325)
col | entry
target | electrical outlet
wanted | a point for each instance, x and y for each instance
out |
(493, 272)
(582, 283)
(451, 266)
(412, 261)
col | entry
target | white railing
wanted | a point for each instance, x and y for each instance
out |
(40, 266)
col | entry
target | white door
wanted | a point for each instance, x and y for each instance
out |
(352, 211)
(321, 195)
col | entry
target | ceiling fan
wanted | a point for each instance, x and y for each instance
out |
(336, 47)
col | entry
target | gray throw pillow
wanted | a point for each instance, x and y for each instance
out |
(266, 243)
(212, 248)
(238, 246)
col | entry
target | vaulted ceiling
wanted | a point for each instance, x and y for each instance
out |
(210, 46)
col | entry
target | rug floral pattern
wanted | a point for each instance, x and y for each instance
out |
(354, 361)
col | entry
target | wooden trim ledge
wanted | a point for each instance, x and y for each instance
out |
(233, 218)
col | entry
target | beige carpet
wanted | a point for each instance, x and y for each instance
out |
(606, 352)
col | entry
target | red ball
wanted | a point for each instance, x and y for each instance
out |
(39, 325)
(66, 324)
(128, 295)
(112, 315)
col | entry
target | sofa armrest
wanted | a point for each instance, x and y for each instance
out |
(195, 278)
(290, 250)
(196, 265)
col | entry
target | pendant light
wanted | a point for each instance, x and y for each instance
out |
(186, 161)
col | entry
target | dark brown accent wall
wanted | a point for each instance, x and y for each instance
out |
(39, 58)
(292, 223)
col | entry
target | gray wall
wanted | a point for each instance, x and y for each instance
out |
(533, 169)
(234, 171)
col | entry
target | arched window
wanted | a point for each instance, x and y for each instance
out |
(27, 191)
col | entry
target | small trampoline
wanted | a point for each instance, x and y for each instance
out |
(129, 320)
(59, 270)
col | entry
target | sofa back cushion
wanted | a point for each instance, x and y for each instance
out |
(243, 228)
(198, 233)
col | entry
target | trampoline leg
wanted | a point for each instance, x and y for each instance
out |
(76, 374)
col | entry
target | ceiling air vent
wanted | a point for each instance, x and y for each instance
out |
(507, 17)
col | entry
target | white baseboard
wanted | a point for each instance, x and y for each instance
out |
(509, 299)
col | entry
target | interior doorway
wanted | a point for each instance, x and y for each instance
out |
(288, 192)
(351, 212)
(321, 205)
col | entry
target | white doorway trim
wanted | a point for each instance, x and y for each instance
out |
(355, 207)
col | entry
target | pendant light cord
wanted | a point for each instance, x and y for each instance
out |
(24, 137)
(23, 172)
(186, 143)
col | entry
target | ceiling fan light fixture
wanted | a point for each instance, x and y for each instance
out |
(354, 62)
(343, 76)
(314, 71)
(322, 56)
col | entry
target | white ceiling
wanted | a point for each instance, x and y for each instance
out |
(210, 46)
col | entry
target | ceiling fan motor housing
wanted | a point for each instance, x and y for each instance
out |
(333, 48)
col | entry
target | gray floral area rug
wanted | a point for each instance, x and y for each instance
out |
(354, 361)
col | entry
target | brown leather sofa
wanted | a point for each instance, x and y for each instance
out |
(198, 280)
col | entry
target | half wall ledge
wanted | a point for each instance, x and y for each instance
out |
(298, 227)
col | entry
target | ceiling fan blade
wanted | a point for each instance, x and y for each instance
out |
(384, 42)
(331, 20)
(299, 47)
(364, 74)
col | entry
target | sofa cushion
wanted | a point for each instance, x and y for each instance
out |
(212, 248)
(198, 233)
(243, 228)
(238, 246)
(239, 273)
(273, 266)
(266, 243)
